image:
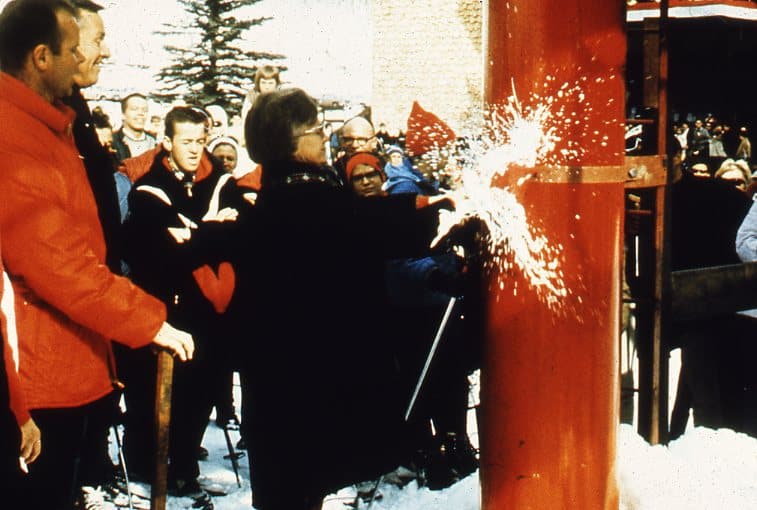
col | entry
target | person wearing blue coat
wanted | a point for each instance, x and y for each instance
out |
(401, 177)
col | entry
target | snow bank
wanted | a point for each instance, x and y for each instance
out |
(703, 470)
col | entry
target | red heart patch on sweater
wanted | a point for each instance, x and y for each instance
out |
(217, 288)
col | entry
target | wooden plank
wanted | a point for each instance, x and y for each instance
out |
(653, 366)
(651, 63)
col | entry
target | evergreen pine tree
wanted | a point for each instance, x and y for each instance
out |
(212, 69)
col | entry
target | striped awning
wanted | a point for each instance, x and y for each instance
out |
(734, 9)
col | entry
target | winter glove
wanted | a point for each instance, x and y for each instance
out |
(450, 284)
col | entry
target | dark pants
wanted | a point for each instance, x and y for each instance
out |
(717, 379)
(10, 472)
(223, 395)
(137, 370)
(96, 467)
(443, 397)
(53, 479)
(10, 438)
(190, 408)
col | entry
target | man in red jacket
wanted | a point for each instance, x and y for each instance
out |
(67, 302)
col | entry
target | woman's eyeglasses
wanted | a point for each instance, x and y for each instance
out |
(319, 130)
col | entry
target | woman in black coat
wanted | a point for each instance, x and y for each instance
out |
(318, 379)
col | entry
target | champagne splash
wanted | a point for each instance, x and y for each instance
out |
(502, 156)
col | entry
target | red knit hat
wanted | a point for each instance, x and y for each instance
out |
(426, 131)
(363, 158)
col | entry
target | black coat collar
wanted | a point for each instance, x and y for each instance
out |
(294, 173)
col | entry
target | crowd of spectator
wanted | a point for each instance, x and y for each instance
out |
(714, 148)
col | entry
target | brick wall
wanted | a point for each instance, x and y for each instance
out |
(429, 51)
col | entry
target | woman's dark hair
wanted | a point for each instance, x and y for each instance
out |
(270, 126)
(24, 24)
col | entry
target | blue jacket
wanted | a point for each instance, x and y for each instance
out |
(405, 179)
(407, 280)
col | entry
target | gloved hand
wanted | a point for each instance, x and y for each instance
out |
(444, 282)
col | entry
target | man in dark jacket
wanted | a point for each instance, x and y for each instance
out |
(96, 467)
(97, 160)
(132, 139)
(182, 218)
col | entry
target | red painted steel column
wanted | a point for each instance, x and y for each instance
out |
(550, 383)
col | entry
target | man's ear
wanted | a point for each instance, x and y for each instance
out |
(167, 144)
(41, 57)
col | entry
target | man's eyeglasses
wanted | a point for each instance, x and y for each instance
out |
(350, 140)
(369, 176)
(319, 130)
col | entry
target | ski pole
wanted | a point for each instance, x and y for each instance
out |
(430, 356)
(122, 461)
(162, 423)
(375, 491)
(233, 455)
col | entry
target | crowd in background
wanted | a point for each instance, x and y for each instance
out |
(713, 148)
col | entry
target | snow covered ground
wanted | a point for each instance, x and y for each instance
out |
(703, 470)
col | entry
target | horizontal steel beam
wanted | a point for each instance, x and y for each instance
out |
(712, 291)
